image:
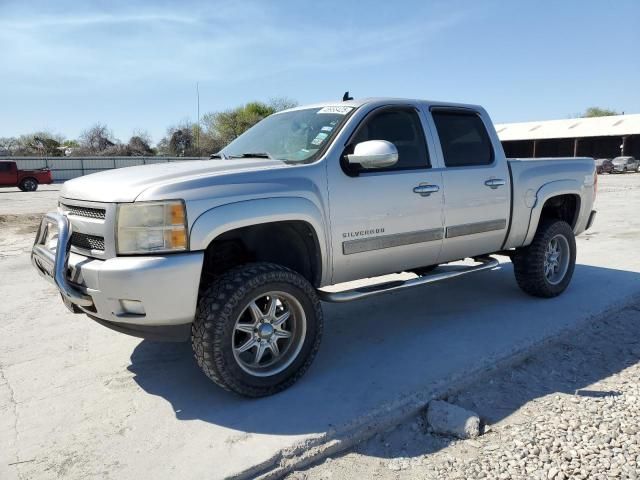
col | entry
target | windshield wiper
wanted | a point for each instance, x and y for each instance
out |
(220, 155)
(252, 155)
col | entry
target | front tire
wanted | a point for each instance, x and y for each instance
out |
(544, 268)
(257, 329)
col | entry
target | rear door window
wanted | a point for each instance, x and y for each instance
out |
(464, 139)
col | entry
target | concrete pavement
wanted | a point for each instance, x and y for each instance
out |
(15, 202)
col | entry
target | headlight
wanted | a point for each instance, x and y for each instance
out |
(148, 227)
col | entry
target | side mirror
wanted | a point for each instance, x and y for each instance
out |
(374, 154)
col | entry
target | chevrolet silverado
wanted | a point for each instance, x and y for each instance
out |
(235, 253)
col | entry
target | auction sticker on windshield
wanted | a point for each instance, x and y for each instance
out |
(340, 110)
(319, 138)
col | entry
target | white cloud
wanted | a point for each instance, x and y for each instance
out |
(245, 39)
(59, 21)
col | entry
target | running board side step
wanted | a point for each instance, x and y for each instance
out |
(485, 263)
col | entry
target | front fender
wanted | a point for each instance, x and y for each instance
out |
(547, 191)
(213, 223)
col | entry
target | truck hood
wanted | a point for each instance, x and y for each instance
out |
(126, 184)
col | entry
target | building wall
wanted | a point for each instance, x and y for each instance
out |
(596, 147)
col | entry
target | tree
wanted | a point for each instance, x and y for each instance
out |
(48, 146)
(179, 141)
(221, 128)
(140, 144)
(38, 144)
(96, 140)
(9, 145)
(282, 103)
(598, 112)
(71, 143)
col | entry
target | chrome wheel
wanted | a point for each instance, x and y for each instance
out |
(556, 259)
(268, 334)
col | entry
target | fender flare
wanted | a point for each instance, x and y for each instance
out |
(218, 220)
(544, 193)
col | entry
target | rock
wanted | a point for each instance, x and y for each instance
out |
(448, 419)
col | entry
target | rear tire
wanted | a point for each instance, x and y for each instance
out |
(544, 268)
(241, 314)
(28, 185)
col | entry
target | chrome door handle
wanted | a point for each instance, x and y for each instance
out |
(494, 183)
(426, 190)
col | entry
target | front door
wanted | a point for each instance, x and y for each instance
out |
(477, 184)
(379, 224)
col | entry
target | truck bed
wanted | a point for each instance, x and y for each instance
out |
(530, 175)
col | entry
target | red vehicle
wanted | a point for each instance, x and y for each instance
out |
(25, 180)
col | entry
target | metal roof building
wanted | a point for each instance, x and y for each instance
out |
(598, 137)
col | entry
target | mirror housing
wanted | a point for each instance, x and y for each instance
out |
(374, 154)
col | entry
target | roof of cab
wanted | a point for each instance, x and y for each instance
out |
(380, 101)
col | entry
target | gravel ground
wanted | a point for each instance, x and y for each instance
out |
(569, 410)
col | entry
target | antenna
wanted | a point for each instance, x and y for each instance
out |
(346, 96)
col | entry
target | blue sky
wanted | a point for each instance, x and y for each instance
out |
(133, 64)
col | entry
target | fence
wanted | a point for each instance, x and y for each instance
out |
(66, 168)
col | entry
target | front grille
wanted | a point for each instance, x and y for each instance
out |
(87, 242)
(98, 213)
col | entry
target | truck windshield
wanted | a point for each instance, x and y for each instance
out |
(298, 136)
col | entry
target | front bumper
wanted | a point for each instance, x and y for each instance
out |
(165, 286)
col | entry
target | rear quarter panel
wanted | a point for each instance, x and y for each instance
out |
(535, 181)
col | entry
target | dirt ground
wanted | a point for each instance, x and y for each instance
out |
(20, 215)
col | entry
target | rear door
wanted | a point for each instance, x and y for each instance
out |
(390, 219)
(8, 173)
(476, 181)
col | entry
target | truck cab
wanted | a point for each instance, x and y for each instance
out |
(441, 148)
(8, 173)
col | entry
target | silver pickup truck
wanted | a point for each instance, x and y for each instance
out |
(236, 252)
